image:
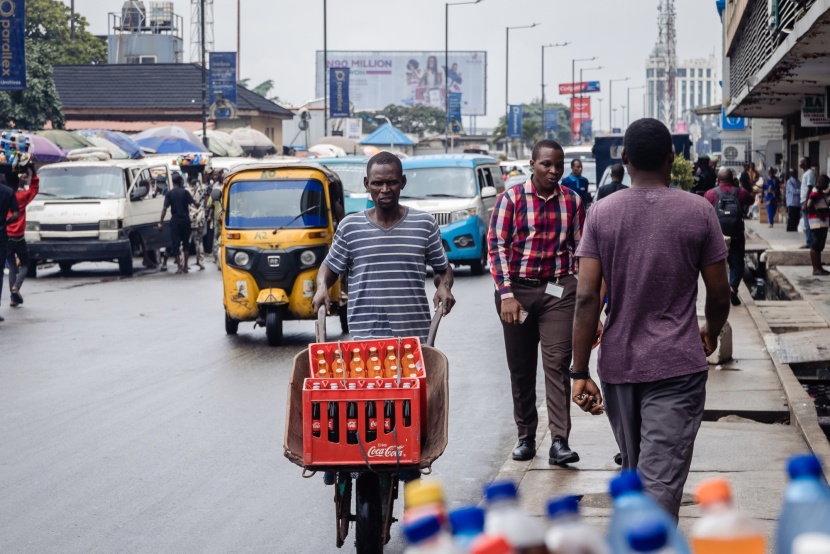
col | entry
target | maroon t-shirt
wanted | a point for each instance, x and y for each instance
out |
(652, 244)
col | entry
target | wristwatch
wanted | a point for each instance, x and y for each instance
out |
(579, 374)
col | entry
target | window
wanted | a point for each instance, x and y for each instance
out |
(436, 182)
(140, 59)
(651, 98)
(708, 93)
(700, 72)
(681, 71)
(684, 104)
(82, 182)
(650, 72)
(295, 203)
(699, 93)
(709, 72)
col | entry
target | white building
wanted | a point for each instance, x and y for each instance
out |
(696, 85)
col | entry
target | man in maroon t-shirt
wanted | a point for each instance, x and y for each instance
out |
(650, 243)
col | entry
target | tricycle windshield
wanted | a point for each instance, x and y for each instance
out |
(72, 183)
(437, 182)
(351, 175)
(293, 203)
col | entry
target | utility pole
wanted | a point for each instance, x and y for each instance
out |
(204, 76)
(543, 76)
(238, 40)
(325, 72)
(72, 20)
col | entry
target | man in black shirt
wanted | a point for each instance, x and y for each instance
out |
(616, 184)
(178, 200)
(9, 213)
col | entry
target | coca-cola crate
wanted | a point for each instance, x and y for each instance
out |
(398, 443)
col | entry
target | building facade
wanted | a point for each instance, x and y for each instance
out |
(696, 85)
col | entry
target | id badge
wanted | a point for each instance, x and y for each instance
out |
(554, 290)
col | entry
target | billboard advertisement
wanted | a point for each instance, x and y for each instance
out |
(580, 111)
(222, 85)
(551, 123)
(455, 113)
(514, 121)
(579, 88)
(379, 79)
(13, 23)
(339, 93)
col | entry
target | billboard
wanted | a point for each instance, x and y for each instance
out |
(13, 23)
(339, 93)
(514, 121)
(579, 88)
(222, 85)
(379, 79)
(455, 113)
(580, 111)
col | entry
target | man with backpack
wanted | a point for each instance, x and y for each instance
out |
(729, 202)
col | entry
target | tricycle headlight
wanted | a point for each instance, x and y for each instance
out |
(461, 215)
(241, 258)
(33, 226)
(308, 257)
(108, 225)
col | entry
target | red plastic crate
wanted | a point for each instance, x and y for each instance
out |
(405, 440)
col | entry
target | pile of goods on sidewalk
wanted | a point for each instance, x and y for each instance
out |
(373, 397)
(638, 523)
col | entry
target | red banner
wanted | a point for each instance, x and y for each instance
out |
(580, 111)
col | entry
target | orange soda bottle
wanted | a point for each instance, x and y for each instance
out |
(322, 369)
(357, 369)
(392, 371)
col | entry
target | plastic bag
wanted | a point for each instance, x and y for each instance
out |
(800, 224)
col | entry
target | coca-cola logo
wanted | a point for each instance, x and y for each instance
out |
(316, 425)
(373, 424)
(383, 451)
(351, 425)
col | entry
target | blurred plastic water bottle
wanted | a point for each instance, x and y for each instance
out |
(633, 507)
(650, 537)
(806, 503)
(467, 525)
(504, 517)
(811, 543)
(426, 536)
(487, 544)
(724, 529)
(568, 534)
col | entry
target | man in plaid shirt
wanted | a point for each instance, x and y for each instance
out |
(534, 232)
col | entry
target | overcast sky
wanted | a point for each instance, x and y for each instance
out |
(279, 39)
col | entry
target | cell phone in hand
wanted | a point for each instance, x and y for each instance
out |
(522, 316)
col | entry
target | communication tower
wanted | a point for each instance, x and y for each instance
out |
(665, 57)
(196, 29)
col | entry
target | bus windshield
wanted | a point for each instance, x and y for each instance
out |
(272, 204)
(82, 182)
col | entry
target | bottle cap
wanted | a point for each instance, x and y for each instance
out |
(649, 536)
(498, 490)
(490, 544)
(387, 386)
(627, 481)
(562, 506)
(417, 493)
(370, 386)
(334, 386)
(316, 386)
(467, 520)
(713, 491)
(804, 466)
(352, 386)
(422, 529)
(407, 385)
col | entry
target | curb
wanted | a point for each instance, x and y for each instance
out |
(803, 414)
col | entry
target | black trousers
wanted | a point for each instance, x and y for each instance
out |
(4, 250)
(793, 217)
(180, 235)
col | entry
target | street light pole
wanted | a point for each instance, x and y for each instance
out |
(573, 87)
(600, 113)
(628, 105)
(507, 83)
(611, 98)
(543, 75)
(238, 40)
(204, 75)
(447, 69)
(325, 71)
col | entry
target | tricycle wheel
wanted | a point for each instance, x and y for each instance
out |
(344, 321)
(231, 325)
(368, 514)
(273, 327)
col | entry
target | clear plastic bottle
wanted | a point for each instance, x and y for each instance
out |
(631, 507)
(723, 529)
(504, 517)
(568, 534)
(806, 503)
(424, 498)
(650, 537)
(812, 543)
(467, 525)
(426, 536)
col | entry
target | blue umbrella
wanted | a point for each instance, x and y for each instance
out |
(170, 139)
(121, 140)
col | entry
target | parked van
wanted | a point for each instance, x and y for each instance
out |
(460, 191)
(96, 211)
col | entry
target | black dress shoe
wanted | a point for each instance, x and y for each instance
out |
(525, 450)
(733, 298)
(561, 454)
(618, 458)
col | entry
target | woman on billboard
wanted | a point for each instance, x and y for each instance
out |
(433, 81)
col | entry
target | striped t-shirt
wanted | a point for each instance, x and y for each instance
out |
(387, 270)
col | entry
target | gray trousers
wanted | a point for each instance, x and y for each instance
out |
(655, 425)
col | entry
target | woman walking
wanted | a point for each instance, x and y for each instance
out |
(772, 196)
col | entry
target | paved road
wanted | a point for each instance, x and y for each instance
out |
(130, 422)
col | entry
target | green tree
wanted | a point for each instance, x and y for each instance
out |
(39, 103)
(48, 23)
(682, 173)
(415, 120)
(532, 125)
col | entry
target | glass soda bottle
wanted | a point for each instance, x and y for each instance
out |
(371, 418)
(351, 419)
(392, 372)
(357, 369)
(315, 414)
(334, 418)
(373, 352)
(321, 357)
(411, 371)
(391, 358)
(377, 371)
(322, 369)
(407, 408)
(388, 413)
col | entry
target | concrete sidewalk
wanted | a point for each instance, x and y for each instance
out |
(746, 435)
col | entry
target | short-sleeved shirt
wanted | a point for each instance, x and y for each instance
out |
(197, 212)
(387, 270)
(808, 181)
(818, 215)
(8, 204)
(772, 190)
(178, 199)
(652, 244)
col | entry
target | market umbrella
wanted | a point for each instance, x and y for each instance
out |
(253, 142)
(222, 144)
(64, 139)
(45, 151)
(351, 146)
(120, 140)
(115, 152)
(170, 139)
(327, 151)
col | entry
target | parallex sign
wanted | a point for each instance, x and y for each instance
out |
(814, 110)
(12, 50)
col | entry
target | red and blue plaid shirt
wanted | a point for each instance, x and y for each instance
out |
(532, 237)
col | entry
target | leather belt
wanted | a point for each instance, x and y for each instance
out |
(534, 282)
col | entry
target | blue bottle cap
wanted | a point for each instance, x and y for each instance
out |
(422, 529)
(627, 481)
(500, 489)
(563, 506)
(648, 536)
(806, 465)
(467, 520)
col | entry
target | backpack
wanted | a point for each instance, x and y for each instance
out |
(730, 213)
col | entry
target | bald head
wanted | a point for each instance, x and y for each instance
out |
(725, 175)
